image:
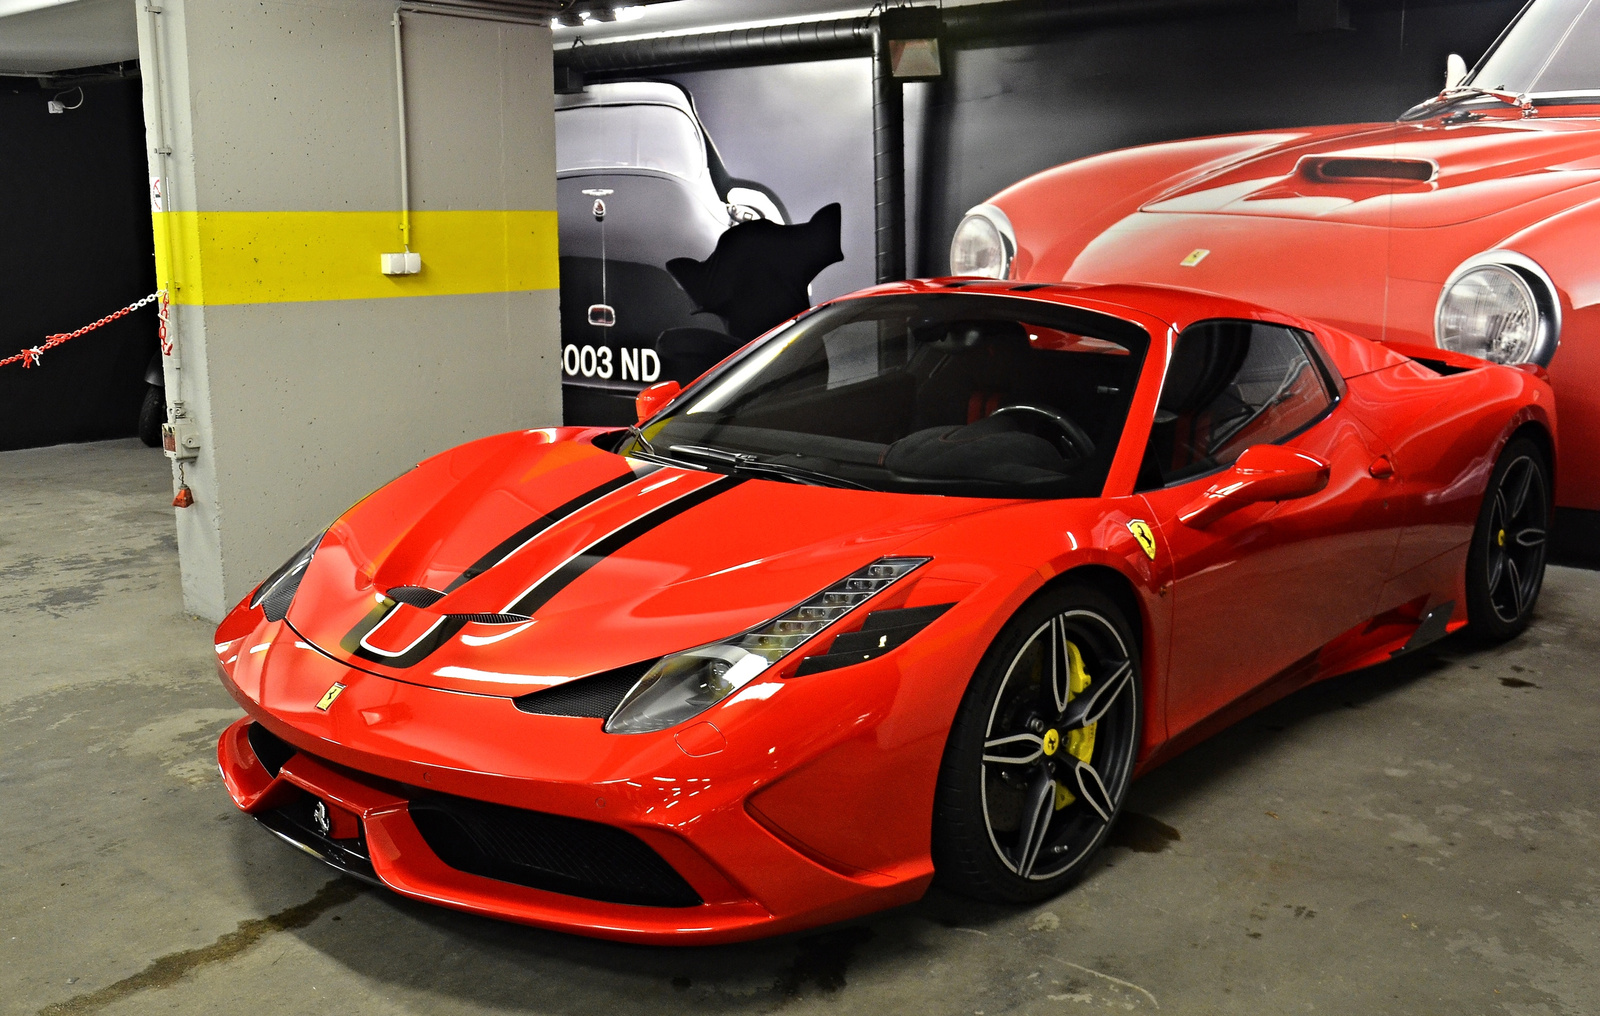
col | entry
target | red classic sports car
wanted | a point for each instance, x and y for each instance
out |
(911, 587)
(1471, 223)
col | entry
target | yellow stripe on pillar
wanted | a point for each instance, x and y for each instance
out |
(218, 258)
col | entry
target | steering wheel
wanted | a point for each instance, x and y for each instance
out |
(1076, 444)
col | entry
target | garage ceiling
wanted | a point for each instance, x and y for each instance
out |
(40, 36)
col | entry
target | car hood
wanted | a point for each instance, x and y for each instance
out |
(1438, 175)
(654, 559)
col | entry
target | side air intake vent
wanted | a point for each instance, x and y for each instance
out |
(883, 630)
(1343, 170)
(596, 696)
(550, 852)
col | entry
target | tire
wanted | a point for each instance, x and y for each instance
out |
(1016, 758)
(152, 414)
(1505, 563)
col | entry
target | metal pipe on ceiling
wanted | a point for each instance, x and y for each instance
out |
(771, 43)
(975, 23)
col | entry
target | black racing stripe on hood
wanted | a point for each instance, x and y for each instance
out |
(505, 548)
(445, 629)
(547, 587)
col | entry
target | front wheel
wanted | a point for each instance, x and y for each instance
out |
(1505, 564)
(1042, 752)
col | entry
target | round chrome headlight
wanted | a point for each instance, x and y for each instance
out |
(1499, 308)
(983, 244)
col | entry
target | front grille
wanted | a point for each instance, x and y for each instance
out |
(271, 750)
(550, 852)
(294, 823)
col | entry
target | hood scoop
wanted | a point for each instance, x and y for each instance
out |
(422, 597)
(415, 596)
(1347, 169)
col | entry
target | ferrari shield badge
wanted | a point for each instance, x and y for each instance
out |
(329, 695)
(1147, 540)
(1194, 257)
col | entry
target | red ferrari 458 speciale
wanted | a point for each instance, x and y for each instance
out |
(910, 588)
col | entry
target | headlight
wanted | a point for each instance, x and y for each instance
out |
(275, 594)
(686, 684)
(984, 244)
(1501, 307)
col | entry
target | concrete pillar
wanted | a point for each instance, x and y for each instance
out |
(309, 376)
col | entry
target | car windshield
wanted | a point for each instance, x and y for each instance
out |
(941, 393)
(633, 137)
(1553, 49)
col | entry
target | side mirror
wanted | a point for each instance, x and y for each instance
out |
(1262, 473)
(650, 401)
(1455, 69)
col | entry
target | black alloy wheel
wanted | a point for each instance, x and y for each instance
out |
(1505, 564)
(1041, 755)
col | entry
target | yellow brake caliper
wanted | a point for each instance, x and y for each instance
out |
(1080, 743)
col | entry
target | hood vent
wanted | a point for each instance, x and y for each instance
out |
(491, 618)
(415, 596)
(1351, 170)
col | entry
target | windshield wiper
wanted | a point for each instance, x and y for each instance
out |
(638, 435)
(744, 462)
(1456, 96)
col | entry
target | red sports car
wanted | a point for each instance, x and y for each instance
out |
(1471, 223)
(910, 588)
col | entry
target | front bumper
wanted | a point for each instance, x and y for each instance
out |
(387, 750)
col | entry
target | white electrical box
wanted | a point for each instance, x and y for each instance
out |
(180, 439)
(401, 264)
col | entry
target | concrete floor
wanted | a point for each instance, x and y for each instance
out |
(1418, 838)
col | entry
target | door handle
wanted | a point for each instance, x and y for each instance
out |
(1381, 468)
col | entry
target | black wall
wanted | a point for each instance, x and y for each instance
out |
(75, 245)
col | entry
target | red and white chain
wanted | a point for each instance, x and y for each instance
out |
(31, 357)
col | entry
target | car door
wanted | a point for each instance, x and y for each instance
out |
(1264, 586)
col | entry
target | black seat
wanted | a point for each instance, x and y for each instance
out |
(969, 372)
(1205, 362)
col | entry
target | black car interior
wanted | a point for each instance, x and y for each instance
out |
(1231, 384)
(986, 395)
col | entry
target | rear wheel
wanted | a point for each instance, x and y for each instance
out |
(1041, 755)
(1505, 564)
